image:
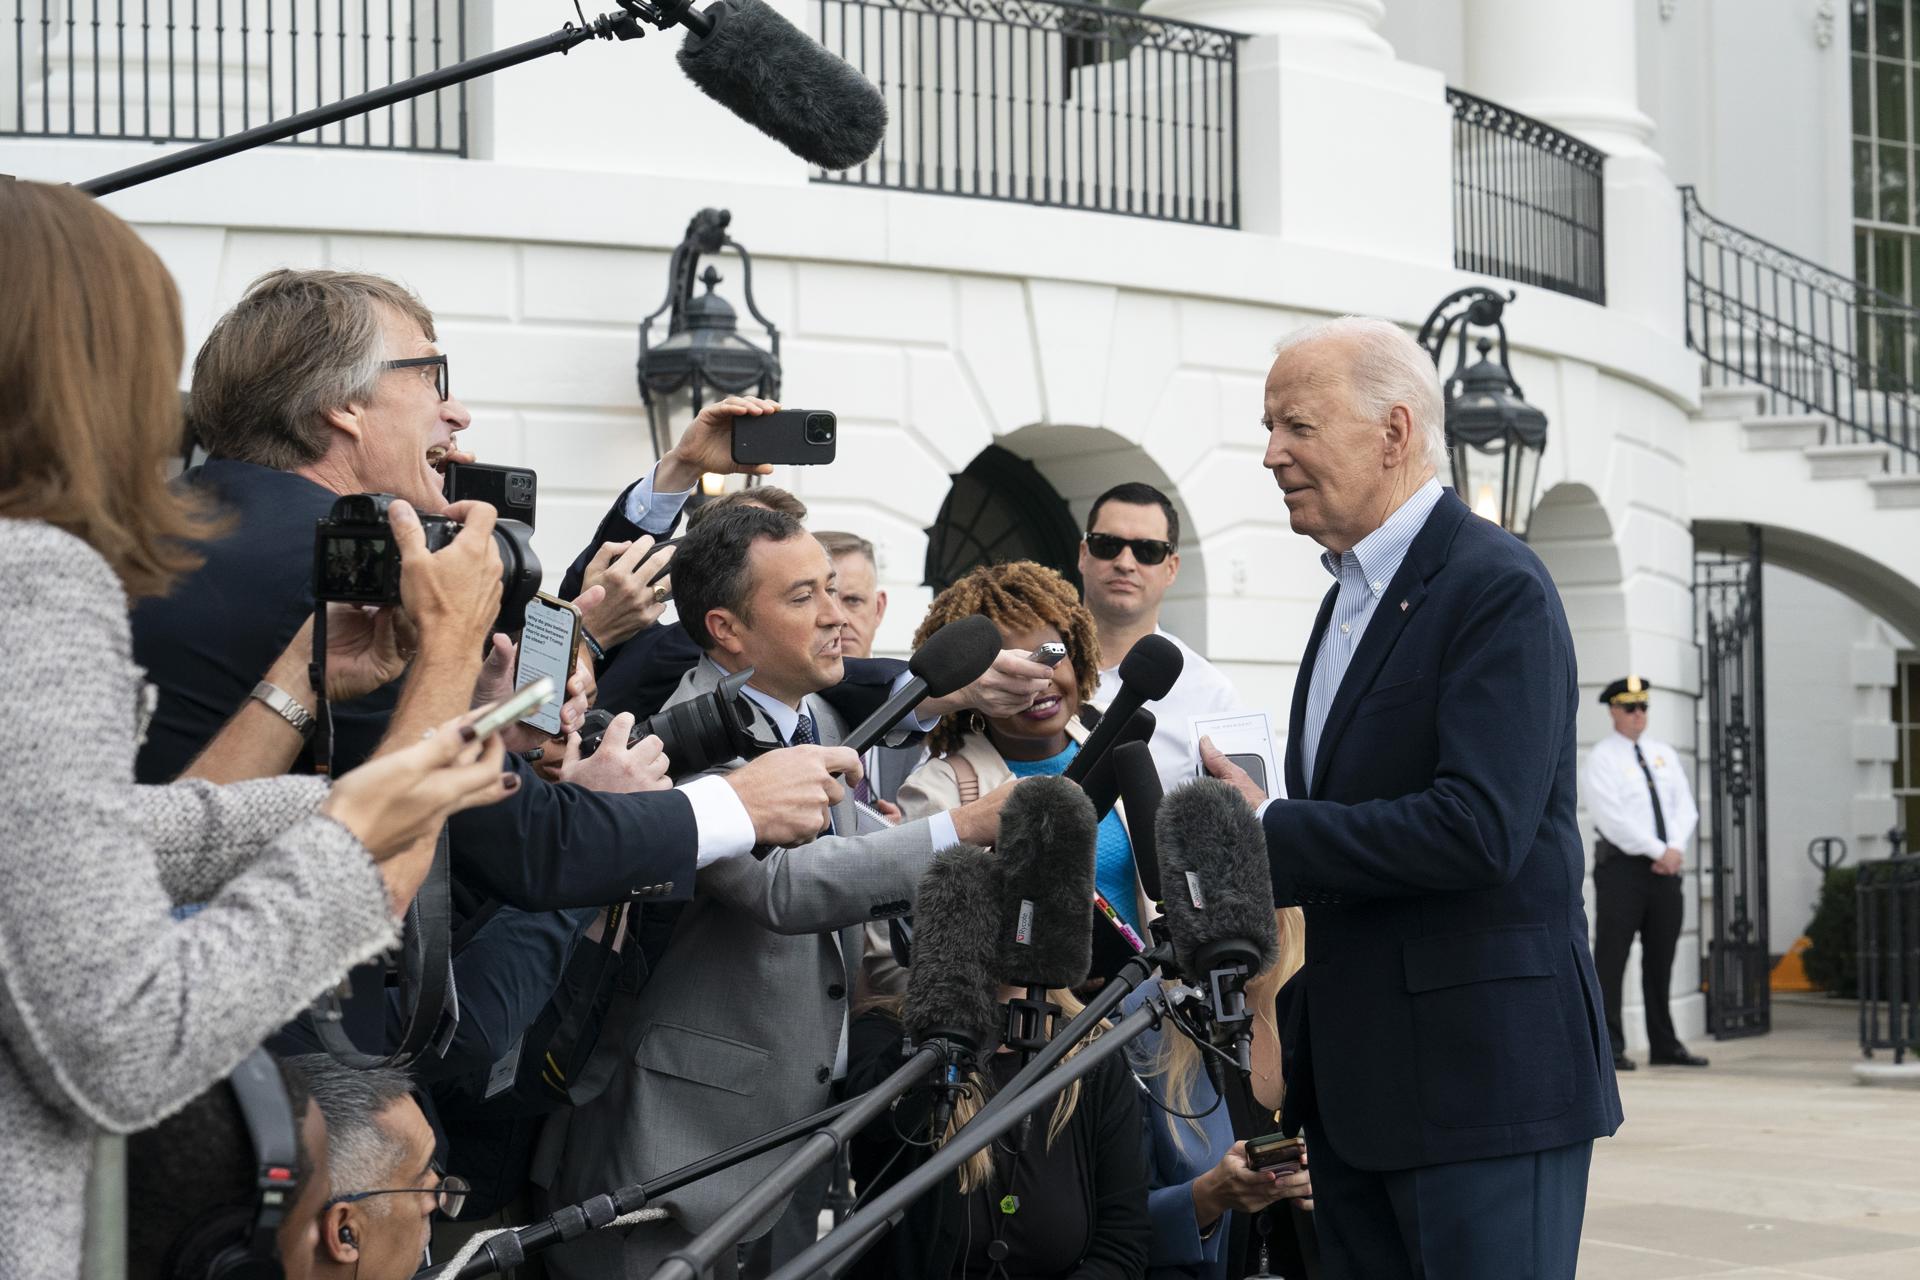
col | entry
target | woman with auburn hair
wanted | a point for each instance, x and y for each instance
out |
(113, 1013)
(1202, 1193)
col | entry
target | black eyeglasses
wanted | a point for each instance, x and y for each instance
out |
(450, 1197)
(1105, 546)
(441, 382)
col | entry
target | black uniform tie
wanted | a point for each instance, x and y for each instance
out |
(1653, 793)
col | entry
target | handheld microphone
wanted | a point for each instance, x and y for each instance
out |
(1102, 784)
(759, 66)
(953, 657)
(950, 985)
(1139, 782)
(1219, 903)
(1147, 674)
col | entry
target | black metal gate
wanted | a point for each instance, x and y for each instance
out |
(1733, 883)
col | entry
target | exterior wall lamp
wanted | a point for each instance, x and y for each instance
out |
(1494, 437)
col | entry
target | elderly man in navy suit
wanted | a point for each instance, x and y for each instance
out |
(1447, 1055)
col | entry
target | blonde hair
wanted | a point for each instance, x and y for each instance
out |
(90, 358)
(1178, 1060)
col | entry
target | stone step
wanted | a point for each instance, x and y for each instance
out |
(1899, 492)
(1847, 461)
(1731, 402)
(1785, 431)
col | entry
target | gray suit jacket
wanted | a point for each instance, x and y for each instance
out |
(736, 1031)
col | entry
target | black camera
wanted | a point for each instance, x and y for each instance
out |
(357, 561)
(720, 725)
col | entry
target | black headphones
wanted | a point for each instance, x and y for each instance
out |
(236, 1243)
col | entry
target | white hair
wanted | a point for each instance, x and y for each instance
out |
(1388, 369)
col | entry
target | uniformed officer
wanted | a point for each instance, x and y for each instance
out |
(1644, 812)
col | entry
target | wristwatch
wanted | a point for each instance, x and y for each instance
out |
(286, 706)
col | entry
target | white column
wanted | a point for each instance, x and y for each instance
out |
(1341, 144)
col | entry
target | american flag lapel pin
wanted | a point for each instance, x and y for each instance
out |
(1403, 606)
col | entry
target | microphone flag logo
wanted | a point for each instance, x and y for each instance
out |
(1193, 891)
(1023, 931)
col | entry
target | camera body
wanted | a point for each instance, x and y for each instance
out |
(718, 726)
(356, 559)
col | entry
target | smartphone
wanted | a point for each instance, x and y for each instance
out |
(547, 646)
(1048, 654)
(509, 490)
(668, 568)
(1275, 1152)
(789, 437)
(1256, 767)
(508, 709)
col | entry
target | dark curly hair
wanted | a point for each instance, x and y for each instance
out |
(1018, 597)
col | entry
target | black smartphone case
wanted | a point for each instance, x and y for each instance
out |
(781, 439)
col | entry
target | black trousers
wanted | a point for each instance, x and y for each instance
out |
(1628, 899)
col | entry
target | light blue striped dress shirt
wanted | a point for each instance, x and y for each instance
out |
(1364, 574)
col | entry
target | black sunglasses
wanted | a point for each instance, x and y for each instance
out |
(441, 382)
(1105, 546)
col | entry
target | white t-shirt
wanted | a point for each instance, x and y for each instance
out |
(1200, 691)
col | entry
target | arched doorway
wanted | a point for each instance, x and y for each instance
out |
(1001, 509)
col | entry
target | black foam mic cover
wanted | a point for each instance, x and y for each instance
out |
(956, 655)
(1139, 781)
(1102, 783)
(951, 985)
(1147, 674)
(768, 72)
(1045, 851)
(1213, 866)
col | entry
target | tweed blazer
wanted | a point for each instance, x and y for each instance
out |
(113, 1015)
(737, 1029)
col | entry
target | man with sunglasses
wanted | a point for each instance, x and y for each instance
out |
(1644, 815)
(1128, 560)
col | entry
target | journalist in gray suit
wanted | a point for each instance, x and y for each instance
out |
(742, 1026)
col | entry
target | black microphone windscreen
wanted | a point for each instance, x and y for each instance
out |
(951, 988)
(1139, 781)
(1213, 866)
(956, 655)
(782, 82)
(1152, 666)
(1045, 851)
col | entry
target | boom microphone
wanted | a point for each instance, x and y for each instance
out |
(953, 657)
(1147, 674)
(950, 986)
(759, 66)
(1139, 782)
(1046, 846)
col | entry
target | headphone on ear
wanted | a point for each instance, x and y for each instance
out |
(236, 1243)
(346, 1236)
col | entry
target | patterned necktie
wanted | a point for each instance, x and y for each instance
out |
(803, 735)
(1659, 818)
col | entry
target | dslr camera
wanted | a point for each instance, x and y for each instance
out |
(357, 561)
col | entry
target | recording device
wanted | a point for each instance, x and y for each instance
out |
(1147, 674)
(787, 437)
(510, 491)
(1275, 1152)
(720, 725)
(1219, 900)
(547, 646)
(233, 1243)
(953, 657)
(950, 986)
(1139, 782)
(1102, 784)
(512, 707)
(357, 561)
(759, 66)
(1048, 654)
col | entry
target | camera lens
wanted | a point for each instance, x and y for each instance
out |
(819, 428)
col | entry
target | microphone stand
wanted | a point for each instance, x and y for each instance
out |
(693, 1260)
(510, 1248)
(863, 1227)
(624, 25)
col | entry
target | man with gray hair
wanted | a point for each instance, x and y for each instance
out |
(382, 1187)
(1446, 1051)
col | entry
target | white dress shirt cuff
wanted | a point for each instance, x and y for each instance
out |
(940, 827)
(720, 820)
(1260, 814)
(913, 720)
(653, 512)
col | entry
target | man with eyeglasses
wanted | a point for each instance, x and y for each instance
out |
(1644, 815)
(384, 1189)
(1128, 559)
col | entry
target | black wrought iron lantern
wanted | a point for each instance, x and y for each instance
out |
(1495, 439)
(704, 356)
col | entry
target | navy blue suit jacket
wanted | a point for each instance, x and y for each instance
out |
(1449, 1007)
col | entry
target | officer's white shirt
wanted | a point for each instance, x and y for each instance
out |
(1201, 691)
(1616, 795)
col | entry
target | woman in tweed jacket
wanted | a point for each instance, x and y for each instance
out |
(112, 1013)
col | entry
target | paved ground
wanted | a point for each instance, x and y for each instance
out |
(1771, 1162)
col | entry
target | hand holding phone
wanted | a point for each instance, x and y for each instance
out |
(1048, 654)
(1275, 1153)
(794, 437)
(548, 644)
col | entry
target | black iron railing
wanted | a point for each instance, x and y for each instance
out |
(1813, 340)
(1528, 200)
(1055, 103)
(1888, 902)
(192, 70)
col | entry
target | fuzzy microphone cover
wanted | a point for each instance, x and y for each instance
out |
(1046, 845)
(950, 985)
(779, 80)
(1213, 867)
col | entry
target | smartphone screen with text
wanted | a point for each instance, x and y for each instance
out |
(547, 646)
